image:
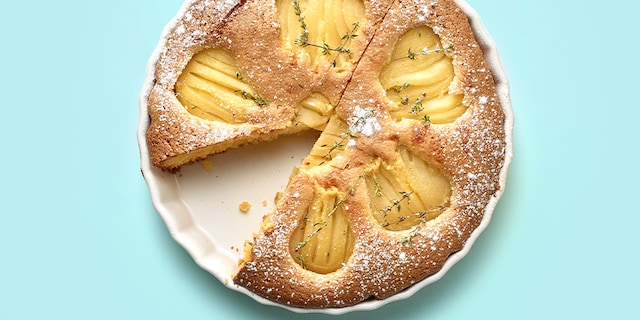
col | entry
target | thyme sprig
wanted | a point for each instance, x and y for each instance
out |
(413, 55)
(417, 106)
(326, 49)
(422, 216)
(319, 226)
(400, 89)
(337, 144)
(377, 188)
(414, 231)
(335, 206)
(397, 203)
(260, 101)
(351, 189)
(302, 259)
(303, 39)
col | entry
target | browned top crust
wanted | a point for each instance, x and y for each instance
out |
(173, 131)
(250, 31)
(470, 151)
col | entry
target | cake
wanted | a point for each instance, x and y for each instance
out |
(412, 145)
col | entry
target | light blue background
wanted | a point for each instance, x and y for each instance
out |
(79, 238)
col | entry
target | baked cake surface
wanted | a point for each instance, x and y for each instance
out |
(411, 149)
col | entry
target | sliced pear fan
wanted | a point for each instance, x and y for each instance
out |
(211, 87)
(314, 111)
(417, 79)
(406, 192)
(326, 22)
(323, 240)
(329, 145)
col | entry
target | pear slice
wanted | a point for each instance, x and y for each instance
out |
(323, 240)
(330, 145)
(211, 87)
(417, 79)
(314, 111)
(406, 192)
(321, 31)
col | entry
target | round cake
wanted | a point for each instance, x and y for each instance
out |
(413, 147)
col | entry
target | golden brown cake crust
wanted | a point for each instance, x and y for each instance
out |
(250, 31)
(469, 151)
(175, 137)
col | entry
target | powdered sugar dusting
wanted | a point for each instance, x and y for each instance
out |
(423, 12)
(364, 121)
(194, 29)
(383, 263)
